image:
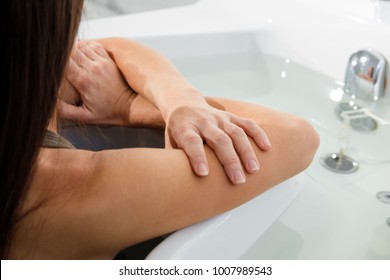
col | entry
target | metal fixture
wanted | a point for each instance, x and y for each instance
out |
(365, 77)
(339, 163)
(363, 124)
(364, 86)
(383, 196)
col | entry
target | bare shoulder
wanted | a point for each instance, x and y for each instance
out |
(60, 178)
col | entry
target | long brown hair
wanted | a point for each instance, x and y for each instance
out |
(37, 37)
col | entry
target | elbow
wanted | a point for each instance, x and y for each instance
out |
(308, 142)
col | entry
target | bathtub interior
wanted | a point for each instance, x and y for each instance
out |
(229, 69)
(110, 8)
(345, 220)
(262, 52)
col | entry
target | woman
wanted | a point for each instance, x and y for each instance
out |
(75, 204)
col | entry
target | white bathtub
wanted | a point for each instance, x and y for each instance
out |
(290, 56)
(110, 8)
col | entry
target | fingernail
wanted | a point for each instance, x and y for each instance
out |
(253, 165)
(202, 169)
(266, 142)
(239, 177)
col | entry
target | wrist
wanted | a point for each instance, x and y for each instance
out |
(123, 107)
(142, 113)
(179, 98)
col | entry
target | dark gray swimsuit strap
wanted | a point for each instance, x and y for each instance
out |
(54, 140)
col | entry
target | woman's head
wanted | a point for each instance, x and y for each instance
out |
(37, 37)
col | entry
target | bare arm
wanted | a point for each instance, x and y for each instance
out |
(99, 203)
(145, 193)
(188, 118)
(151, 74)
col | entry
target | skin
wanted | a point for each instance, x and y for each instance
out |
(90, 205)
(188, 119)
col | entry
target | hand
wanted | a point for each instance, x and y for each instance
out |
(94, 90)
(189, 126)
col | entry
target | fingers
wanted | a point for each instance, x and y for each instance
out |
(231, 146)
(72, 112)
(81, 59)
(92, 49)
(88, 53)
(192, 144)
(234, 151)
(253, 130)
(224, 149)
(243, 147)
(227, 135)
(77, 75)
(73, 70)
(240, 152)
(104, 96)
(84, 66)
(68, 93)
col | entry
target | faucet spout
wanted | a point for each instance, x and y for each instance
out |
(365, 88)
(365, 77)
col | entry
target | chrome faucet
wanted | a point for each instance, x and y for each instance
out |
(365, 87)
(364, 91)
(365, 77)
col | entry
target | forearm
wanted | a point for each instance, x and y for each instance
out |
(174, 195)
(189, 120)
(150, 74)
(145, 114)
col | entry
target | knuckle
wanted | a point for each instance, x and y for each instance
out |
(259, 133)
(95, 44)
(202, 121)
(251, 127)
(249, 124)
(236, 131)
(248, 153)
(82, 42)
(231, 161)
(92, 43)
(186, 136)
(95, 68)
(97, 47)
(180, 130)
(196, 155)
(221, 139)
(190, 138)
(82, 81)
(83, 47)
